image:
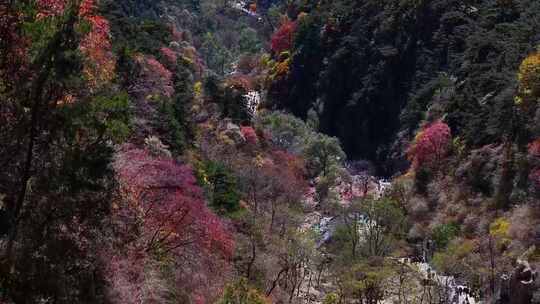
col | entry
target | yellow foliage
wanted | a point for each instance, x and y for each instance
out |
(197, 88)
(499, 228)
(266, 61)
(459, 146)
(282, 68)
(529, 79)
(463, 249)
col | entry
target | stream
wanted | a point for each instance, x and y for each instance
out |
(449, 288)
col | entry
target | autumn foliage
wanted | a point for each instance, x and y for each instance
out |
(154, 80)
(163, 213)
(282, 40)
(430, 145)
(534, 148)
(249, 134)
(96, 46)
(49, 8)
(99, 66)
(175, 215)
(13, 61)
(529, 79)
(169, 57)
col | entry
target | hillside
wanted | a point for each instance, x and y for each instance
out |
(270, 151)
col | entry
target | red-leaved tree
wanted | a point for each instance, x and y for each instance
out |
(99, 67)
(155, 80)
(162, 213)
(430, 145)
(176, 218)
(283, 38)
(250, 135)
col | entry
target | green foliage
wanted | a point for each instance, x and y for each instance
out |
(175, 127)
(173, 131)
(61, 179)
(461, 65)
(221, 185)
(370, 229)
(287, 131)
(230, 99)
(240, 292)
(331, 298)
(249, 42)
(108, 117)
(443, 234)
(453, 259)
(364, 281)
(422, 177)
(323, 154)
(135, 26)
(215, 54)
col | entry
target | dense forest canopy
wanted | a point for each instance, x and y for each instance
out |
(270, 151)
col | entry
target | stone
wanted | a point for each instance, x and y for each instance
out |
(519, 287)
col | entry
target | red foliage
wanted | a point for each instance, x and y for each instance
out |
(86, 8)
(14, 60)
(430, 145)
(287, 172)
(162, 213)
(48, 8)
(169, 57)
(284, 180)
(253, 7)
(240, 82)
(293, 163)
(176, 34)
(176, 218)
(534, 148)
(154, 78)
(250, 135)
(283, 38)
(96, 45)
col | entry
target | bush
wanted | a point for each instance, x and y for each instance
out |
(241, 293)
(331, 298)
(444, 233)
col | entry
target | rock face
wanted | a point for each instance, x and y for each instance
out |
(520, 286)
(232, 131)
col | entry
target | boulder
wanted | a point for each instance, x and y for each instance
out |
(233, 132)
(520, 286)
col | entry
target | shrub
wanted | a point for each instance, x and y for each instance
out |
(443, 234)
(331, 298)
(241, 293)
